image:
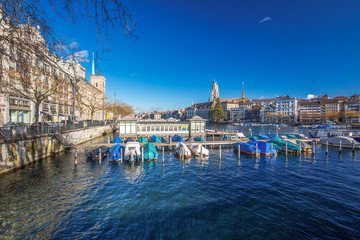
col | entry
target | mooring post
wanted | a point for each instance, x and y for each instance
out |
(163, 154)
(142, 153)
(286, 149)
(148, 156)
(239, 152)
(108, 139)
(256, 150)
(340, 145)
(271, 149)
(313, 148)
(220, 152)
(99, 156)
(201, 153)
(121, 156)
(75, 155)
(327, 148)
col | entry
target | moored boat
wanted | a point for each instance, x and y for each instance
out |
(197, 149)
(116, 152)
(132, 151)
(95, 153)
(117, 140)
(150, 152)
(199, 139)
(177, 138)
(142, 140)
(154, 139)
(281, 145)
(264, 147)
(246, 148)
(182, 150)
(346, 142)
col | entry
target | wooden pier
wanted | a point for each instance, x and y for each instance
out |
(207, 143)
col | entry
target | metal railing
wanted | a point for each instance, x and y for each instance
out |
(22, 131)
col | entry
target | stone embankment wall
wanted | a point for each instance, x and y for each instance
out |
(25, 150)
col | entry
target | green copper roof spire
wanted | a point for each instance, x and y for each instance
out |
(93, 66)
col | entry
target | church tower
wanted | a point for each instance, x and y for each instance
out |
(214, 91)
(96, 80)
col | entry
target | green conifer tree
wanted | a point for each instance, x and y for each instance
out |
(217, 114)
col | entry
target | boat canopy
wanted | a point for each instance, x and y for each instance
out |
(165, 139)
(245, 147)
(115, 152)
(150, 152)
(282, 145)
(177, 138)
(118, 140)
(129, 140)
(142, 140)
(199, 139)
(154, 139)
(264, 147)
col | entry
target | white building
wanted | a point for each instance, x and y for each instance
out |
(46, 72)
(286, 109)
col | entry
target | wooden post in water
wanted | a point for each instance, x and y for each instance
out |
(313, 148)
(108, 139)
(271, 149)
(219, 152)
(142, 153)
(286, 149)
(256, 150)
(201, 153)
(326, 147)
(163, 155)
(239, 152)
(121, 156)
(99, 156)
(75, 155)
(340, 145)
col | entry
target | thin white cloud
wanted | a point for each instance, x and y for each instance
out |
(262, 97)
(266, 19)
(310, 96)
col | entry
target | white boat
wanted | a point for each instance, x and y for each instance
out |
(238, 137)
(197, 149)
(132, 151)
(182, 150)
(346, 142)
(306, 147)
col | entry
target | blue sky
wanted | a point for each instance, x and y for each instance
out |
(295, 47)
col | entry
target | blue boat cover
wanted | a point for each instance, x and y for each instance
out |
(199, 139)
(273, 137)
(142, 140)
(117, 140)
(264, 147)
(150, 151)
(177, 138)
(155, 139)
(115, 152)
(129, 140)
(245, 147)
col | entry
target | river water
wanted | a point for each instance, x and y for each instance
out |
(298, 197)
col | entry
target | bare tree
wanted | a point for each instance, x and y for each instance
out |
(91, 100)
(107, 16)
(36, 84)
(118, 109)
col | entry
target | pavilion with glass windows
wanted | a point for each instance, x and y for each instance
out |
(134, 126)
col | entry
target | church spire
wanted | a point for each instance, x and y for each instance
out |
(242, 96)
(93, 66)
